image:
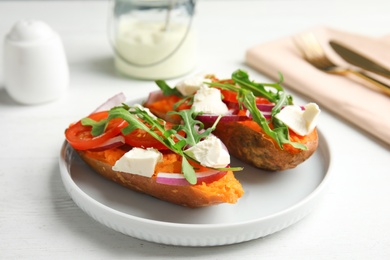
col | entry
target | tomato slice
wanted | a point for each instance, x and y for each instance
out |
(80, 137)
(142, 139)
(231, 96)
(262, 100)
(166, 104)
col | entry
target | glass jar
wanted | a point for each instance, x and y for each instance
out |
(153, 39)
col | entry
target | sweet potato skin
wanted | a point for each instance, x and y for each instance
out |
(195, 196)
(256, 148)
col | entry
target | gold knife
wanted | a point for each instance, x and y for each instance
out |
(359, 60)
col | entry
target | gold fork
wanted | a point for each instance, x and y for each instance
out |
(313, 53)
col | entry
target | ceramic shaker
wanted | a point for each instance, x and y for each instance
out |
(35, 64)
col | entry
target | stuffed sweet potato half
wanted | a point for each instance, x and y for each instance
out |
(258, 122)
(225, 188)
(253, 146)
(132, 147)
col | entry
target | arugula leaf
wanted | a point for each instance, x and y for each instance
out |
(282, 132)
(196, 132)
(137, 113)
(166, 89)
(188, 99)
(246, 96)
(169, 91)
(194, 128)
(249, 100)
(258, 89)
(188, 171)
(97, 127)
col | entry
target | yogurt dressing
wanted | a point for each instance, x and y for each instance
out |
(146, 51)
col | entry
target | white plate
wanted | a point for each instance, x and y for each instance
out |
(272, 202)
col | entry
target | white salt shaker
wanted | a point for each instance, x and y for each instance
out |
(35, 66)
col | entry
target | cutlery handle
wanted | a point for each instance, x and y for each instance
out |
(373, 83)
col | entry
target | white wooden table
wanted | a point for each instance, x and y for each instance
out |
(38, 219)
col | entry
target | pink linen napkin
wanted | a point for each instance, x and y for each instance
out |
(364, 107)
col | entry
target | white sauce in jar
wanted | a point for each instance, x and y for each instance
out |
(145, 43)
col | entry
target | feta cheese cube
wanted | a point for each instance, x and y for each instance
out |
(210, 152)
(138, 161)
(190, 85)
(300, 121)
(208, 100)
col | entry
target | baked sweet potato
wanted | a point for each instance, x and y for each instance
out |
(247, 130)
(225, 190)
(247, 142)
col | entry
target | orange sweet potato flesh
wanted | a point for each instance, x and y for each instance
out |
(225, 190)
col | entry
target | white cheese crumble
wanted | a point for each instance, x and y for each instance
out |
(139, 161)
(208, 100)
(300, 121)
(210, 152)
(190, 85)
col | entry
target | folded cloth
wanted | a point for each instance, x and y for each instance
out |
(362, 106)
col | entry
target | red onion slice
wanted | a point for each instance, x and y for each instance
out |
(261, 107)
(110, 143)
(265, 107)
(267, 115)
(178, 179)
(232, 105)
(116, 100)
(211, 118)
(153, 97)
